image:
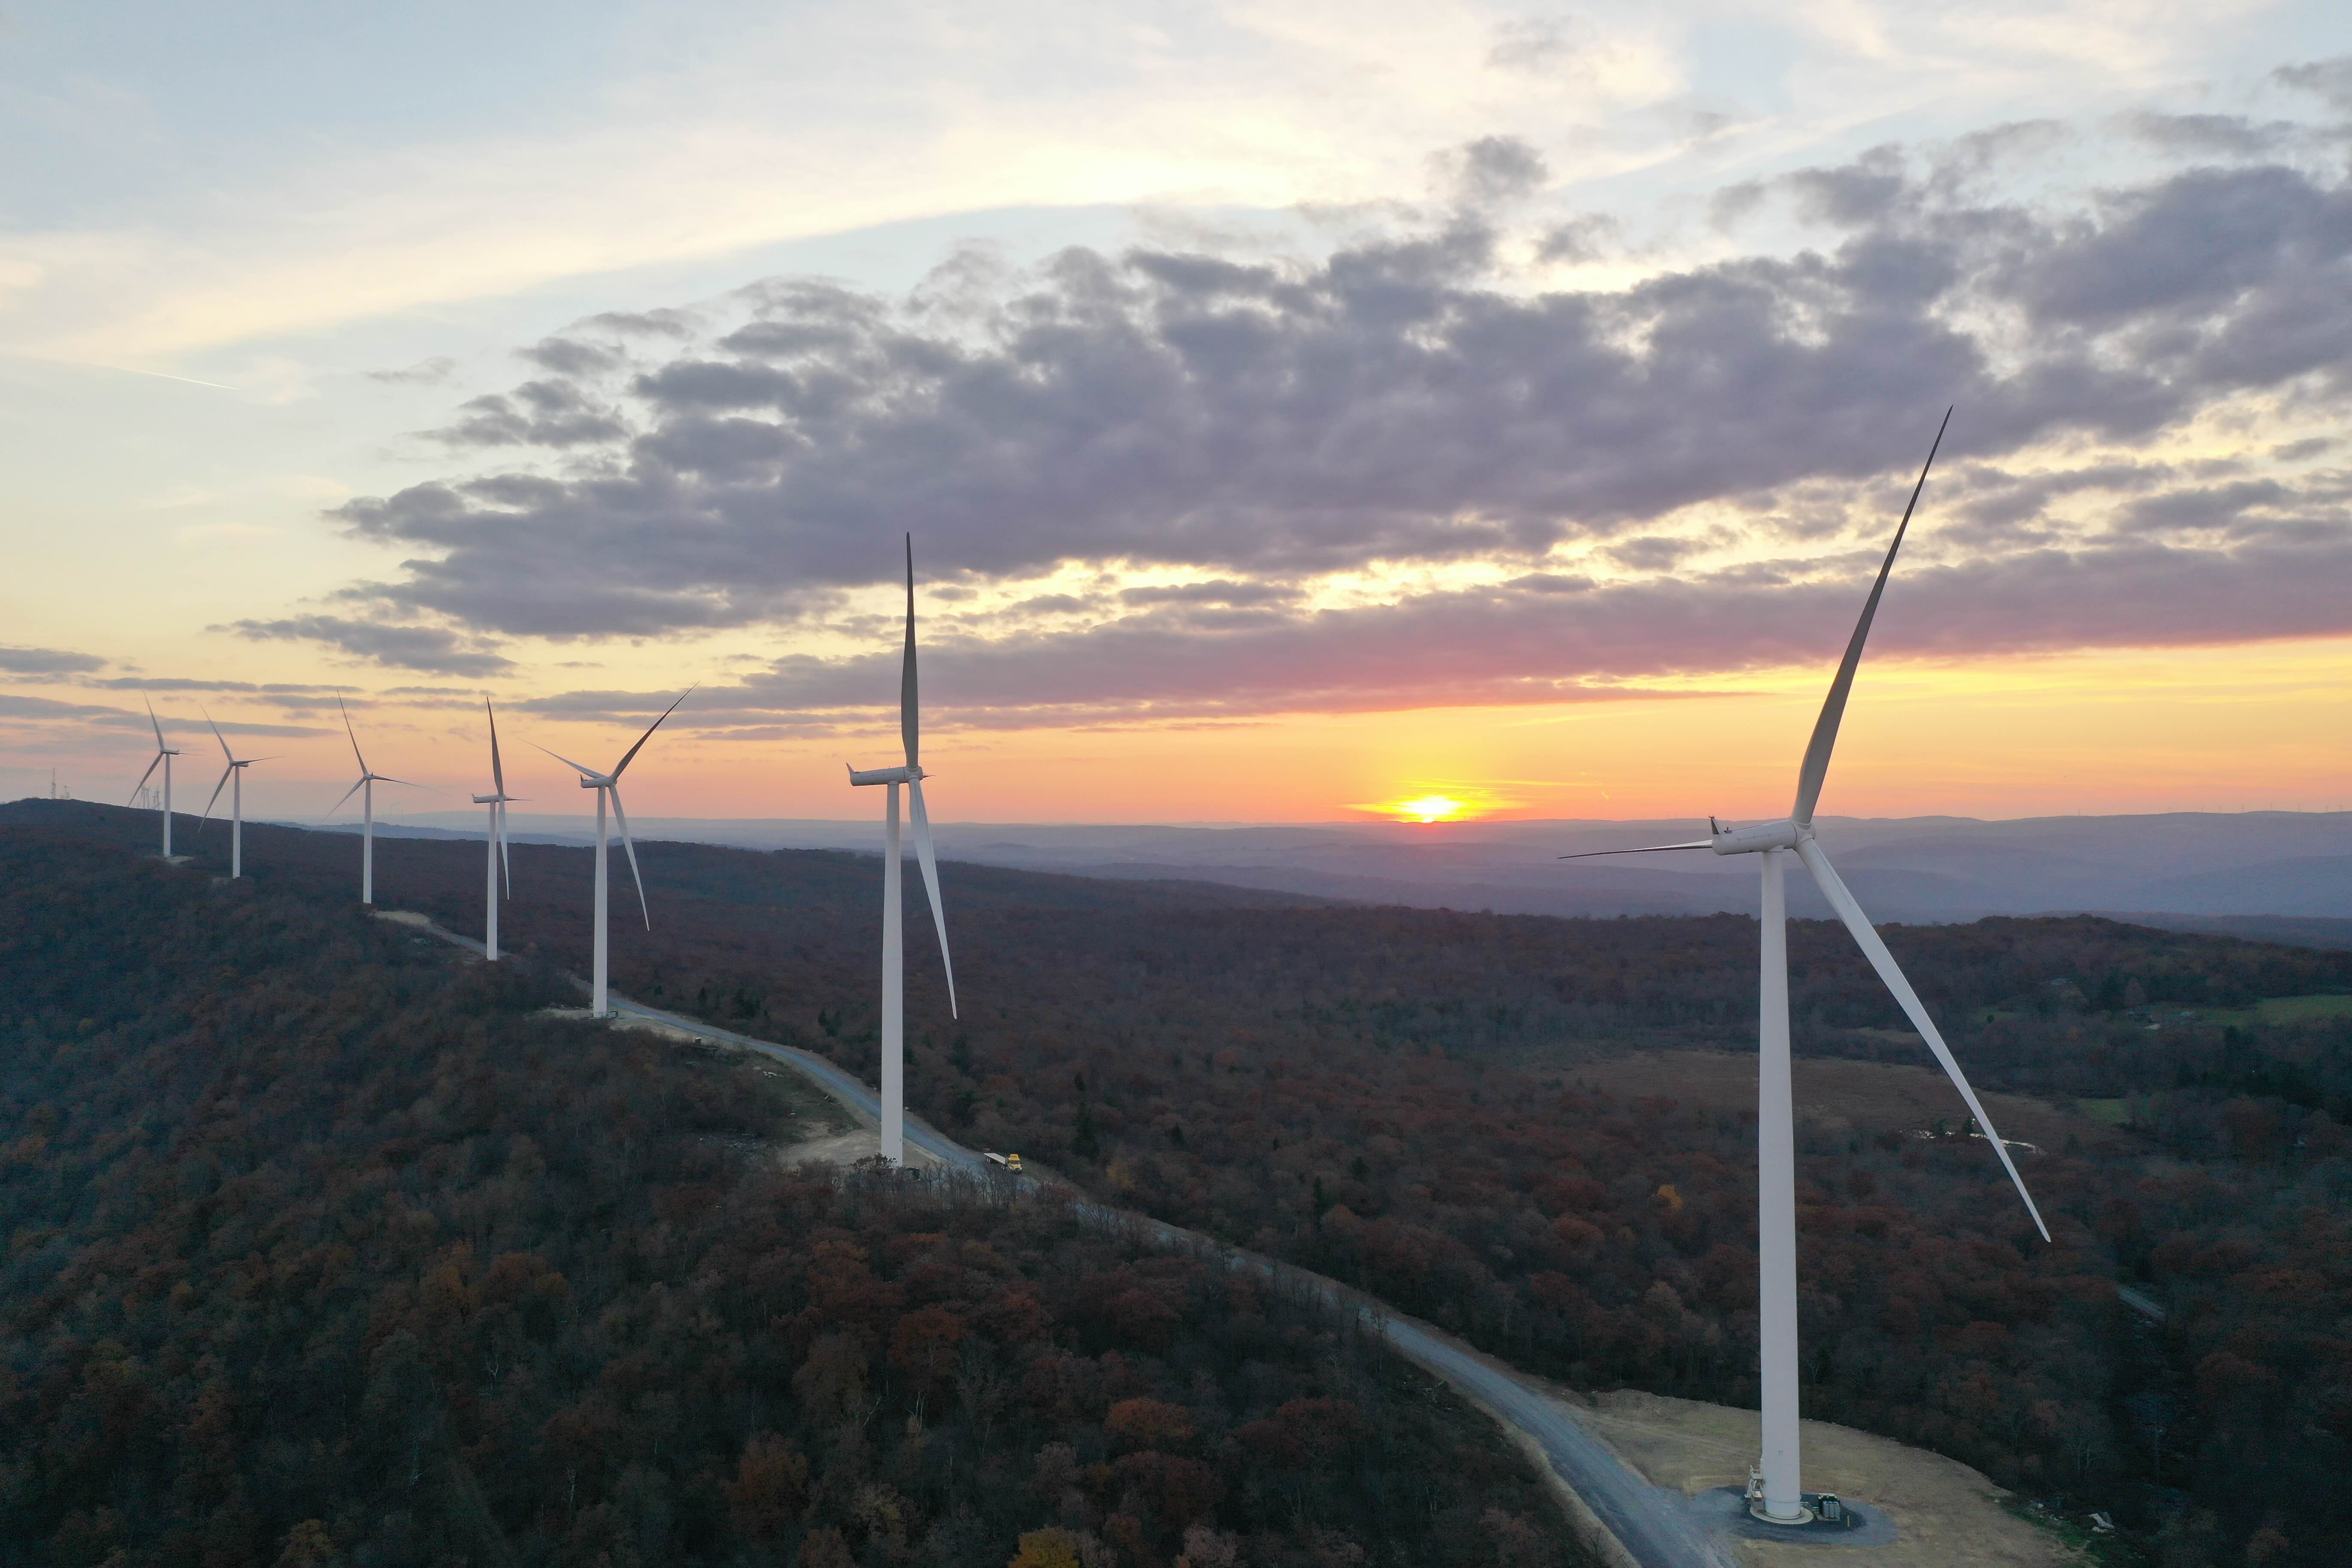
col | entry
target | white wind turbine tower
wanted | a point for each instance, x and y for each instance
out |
(496, 801)
(894, 944)
(163, 755)
(365, 789)
(233, 778)
(1776, 1184)
(610, 784)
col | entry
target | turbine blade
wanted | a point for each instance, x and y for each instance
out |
(505, 859)
(385, 778)
(1816, 766)
(498, 770)
(650, 729)
(1644, 849)
(216, 735)
(145, 777)
(923, 857)
(1833, 888)
(628, 844)
(216, 797)
(152, 720)
(567, 761)
(347, 794)
(354, 735)
(910, 719)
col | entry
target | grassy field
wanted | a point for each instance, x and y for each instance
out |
(1836, 1093)
(2278, 1010)
(2303, 1009)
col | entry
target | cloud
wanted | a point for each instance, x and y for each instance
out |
(1543, 638)
(1536, 43)
(46, 661)
(1222, 591)
(2224, 136)
(424, 373)
(569, 356)
(1394, 413)
(538, 414)
(434, 649)
(174, 683)
(42, 707)
(1491, 171)
(2330, 79)
(51, 712)
(1588, 236)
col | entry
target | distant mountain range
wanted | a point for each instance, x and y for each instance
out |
(2283, 875)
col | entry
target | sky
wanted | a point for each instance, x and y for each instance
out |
(1298, 409)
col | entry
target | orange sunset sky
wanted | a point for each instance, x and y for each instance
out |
(1298, 413)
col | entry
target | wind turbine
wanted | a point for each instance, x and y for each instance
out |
(894, 944)
(365, 789)
(235, 771)
(496, 801)
(163, 755)
(1776, 1181)
(610, 784)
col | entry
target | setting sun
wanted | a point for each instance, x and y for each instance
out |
(1429, 808)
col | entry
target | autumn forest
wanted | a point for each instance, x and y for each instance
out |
(324, 1247)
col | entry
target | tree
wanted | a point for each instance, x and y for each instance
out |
(1050, 1548)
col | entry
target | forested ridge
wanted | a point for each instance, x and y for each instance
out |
(1393, 1096)
(323, 1247)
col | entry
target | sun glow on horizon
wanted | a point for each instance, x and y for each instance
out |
(1429, 808)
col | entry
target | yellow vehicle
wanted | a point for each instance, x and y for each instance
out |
(1010, 1162)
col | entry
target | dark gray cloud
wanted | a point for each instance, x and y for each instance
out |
(570, 356)
(435, 649)
(2221, 135)
(1492, 170)
(646, 323)
(51, 712)
(2330, 79)
(15, 707)
(1256, 426)
(46, 661)
(537, 413)
(1588, 236)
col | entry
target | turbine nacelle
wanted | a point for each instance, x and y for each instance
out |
(1785, 833)
(906, 774)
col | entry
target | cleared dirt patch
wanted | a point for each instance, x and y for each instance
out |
(1946, 1514)
(849, 1148)
(1836, 1095)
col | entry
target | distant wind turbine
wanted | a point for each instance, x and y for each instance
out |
(894, 945)
(1776, 1181)
(365, 789)
(232, 776)
(163, 755)
(496, 801)
(610, 784)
